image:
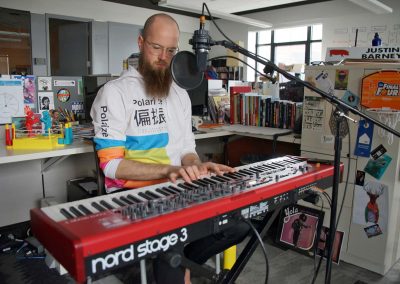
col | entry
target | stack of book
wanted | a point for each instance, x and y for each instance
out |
(254, 109)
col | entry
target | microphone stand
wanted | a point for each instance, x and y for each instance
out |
(341, 109)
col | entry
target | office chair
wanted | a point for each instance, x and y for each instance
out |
(101, 189)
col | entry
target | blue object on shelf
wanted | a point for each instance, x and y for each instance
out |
(376, 41)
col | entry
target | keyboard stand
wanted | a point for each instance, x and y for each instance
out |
(229, 276)
(233, 274)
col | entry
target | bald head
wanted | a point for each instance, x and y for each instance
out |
(155, 20)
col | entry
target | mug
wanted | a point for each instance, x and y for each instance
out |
(196, 121)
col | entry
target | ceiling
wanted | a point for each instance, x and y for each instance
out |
(227, 6)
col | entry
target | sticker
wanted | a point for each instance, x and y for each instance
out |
(364, 139)
(351, 99)
(377, 168)
(63, 95)
(378, 151)
(373, 231)
(327, 139)
(77, 107)
(44, 84)
(341, 79)
(64, 83)
(381, 89)
(360, 178)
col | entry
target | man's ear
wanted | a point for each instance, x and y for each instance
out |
(140, 42)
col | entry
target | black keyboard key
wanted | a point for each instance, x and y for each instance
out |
(181, 185)
(210, 181)
(106, 204)
(98, 206)
(119, 202)
(145, 196)
(66, 214)
(177, 190)
(166, 189)
(152, 194)
(126, 200)
(200, 182)
(134, 199)
(84, 209)
(76, 211)
(163, 192)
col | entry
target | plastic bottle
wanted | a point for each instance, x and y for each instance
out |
(376, 41)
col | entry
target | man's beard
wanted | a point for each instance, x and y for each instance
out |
(157, 82)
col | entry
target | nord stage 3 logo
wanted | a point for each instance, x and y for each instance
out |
(133, 252)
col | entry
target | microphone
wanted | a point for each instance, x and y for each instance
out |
(201, 42)
(188, 68)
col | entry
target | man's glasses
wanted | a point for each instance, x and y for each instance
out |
(157, 49)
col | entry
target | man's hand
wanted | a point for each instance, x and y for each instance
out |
(195, 171)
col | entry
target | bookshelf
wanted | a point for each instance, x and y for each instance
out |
(229, 73)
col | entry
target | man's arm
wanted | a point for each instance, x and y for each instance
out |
(192, 168)
(133, 170)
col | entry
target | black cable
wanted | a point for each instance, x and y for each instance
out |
(223, 34)
(316, 269)
(263, 248)
(347, 178)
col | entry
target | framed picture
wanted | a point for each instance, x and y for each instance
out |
(337, 244)
(299, 227)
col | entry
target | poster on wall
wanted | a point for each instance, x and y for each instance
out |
(11, 99)
(298, 227)
(29, 88)
(322, 250)
(370, 207)
(45, 101)
(381, 90)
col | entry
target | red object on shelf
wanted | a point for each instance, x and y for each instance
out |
(234, 91)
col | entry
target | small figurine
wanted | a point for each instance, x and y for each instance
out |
(46, 119)
(30, 120)
(55, 117)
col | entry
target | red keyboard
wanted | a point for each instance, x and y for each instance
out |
(95, 235)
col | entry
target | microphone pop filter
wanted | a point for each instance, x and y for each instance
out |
(184, 70)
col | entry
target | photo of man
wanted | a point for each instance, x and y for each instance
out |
(45, 103)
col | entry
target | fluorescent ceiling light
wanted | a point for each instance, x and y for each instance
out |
(225, 16)
(374, 6)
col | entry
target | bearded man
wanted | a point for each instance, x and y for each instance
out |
(143, 133)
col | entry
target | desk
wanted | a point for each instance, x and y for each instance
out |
(26, 176)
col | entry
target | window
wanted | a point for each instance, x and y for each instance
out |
(295, 45)
(15, 42)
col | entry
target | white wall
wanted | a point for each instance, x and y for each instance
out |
(97, 10)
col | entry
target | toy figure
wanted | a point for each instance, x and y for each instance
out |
(55, 116)
(46, 119)
(30, 120)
